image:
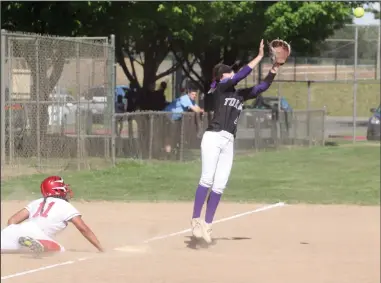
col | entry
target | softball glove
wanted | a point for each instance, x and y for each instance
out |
(279, 51)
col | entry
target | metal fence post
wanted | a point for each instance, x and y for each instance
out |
(3, 100)
(323, 129)
(355, 87)
(110, 93)
(257, 130)
(309, 112)
(112, 70)
(277, 122)
(92, 78)
(10, 117)
(378, 53)
(78, 114)
(181, 145)
(150, 141)
(294, 124)
(37, 89)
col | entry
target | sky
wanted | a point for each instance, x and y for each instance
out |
(368, 18)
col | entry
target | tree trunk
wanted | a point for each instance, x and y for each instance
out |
(207, 62)
(40, 54)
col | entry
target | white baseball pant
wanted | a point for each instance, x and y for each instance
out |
(10, 236)
(217, 151)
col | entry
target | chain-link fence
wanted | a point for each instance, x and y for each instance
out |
(349, 104)
(345, 80)
(50, 87)
(166, 136)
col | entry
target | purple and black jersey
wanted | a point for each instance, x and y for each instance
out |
(228, 101)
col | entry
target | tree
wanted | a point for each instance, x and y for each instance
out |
(144, 32)
(53, 18)
(372, 9)
(226, 32)
(45, 57)
(198, 33)
(230, 31)
(377, 14)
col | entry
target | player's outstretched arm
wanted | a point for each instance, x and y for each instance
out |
(86, 232)
(245, 71)
(18, 217)
(250, 93)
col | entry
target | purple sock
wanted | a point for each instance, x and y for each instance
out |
(211, 207)
(199, 200)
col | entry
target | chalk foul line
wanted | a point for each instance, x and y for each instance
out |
(260, 209)
(38, 269)
(264, 208)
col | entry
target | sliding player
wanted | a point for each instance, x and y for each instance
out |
(33, 228)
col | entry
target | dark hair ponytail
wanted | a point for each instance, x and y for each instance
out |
(46, 198)
(215, 72)
(43, 205)
(219, 70)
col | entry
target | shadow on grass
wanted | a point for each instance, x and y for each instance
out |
(195, 244)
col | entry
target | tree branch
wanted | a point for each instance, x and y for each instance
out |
(58, 63)
(168, 71)
(141, 60)
(191, 69)
(197, 82)
(119, 54)
(131, 58)
(140, 63)
(187, 70)
(30, 57)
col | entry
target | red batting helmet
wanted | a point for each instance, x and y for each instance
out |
(54, 186)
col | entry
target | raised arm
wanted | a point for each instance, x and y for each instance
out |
(246, 70)
(262, 86)
(250, 93)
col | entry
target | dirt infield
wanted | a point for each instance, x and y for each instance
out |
(296, 243)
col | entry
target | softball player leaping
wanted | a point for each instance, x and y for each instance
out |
(217, 142)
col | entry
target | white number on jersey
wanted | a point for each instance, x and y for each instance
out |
(46, 210)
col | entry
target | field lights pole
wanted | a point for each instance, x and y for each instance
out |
(37, 89)
(378, 53)
(78, 91)
(112, 70)
(355, 87)
(2, 93)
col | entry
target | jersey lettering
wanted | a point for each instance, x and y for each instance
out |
(45, 213)
(236, 120)
(228, 105)
(236, 103)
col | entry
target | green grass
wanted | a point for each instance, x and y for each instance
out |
(337, 97)
(338, 174)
